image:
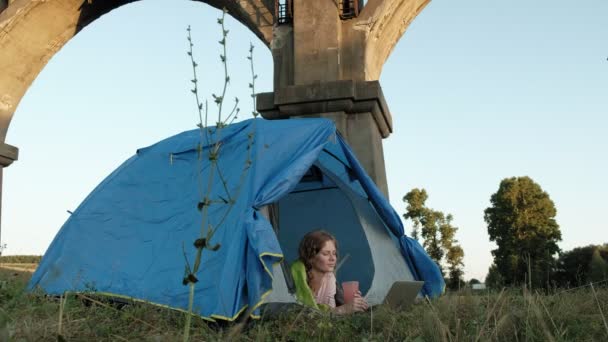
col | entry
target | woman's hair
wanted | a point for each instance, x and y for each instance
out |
(310, 246)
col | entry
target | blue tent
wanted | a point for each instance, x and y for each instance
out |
(133, 235)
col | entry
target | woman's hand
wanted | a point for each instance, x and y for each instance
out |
(358, 304)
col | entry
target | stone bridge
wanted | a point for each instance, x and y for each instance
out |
(324, 65)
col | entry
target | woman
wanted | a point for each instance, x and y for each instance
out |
(314, 275)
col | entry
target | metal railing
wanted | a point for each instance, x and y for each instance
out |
(283, 11)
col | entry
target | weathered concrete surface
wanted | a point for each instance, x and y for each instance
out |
(384, 22)
(8, 154)
(30, 34)
(321, 47)
(350, 97)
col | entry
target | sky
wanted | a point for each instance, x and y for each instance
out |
(479, 91)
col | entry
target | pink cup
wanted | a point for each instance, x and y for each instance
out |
(350, 289)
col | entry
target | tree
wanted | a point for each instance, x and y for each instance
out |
(474, 281)
(574, 266)
(494, 279)
(438, 233)
(454, 253)
(430, 233)
(415, 210)
(455, 263)
(598, 267)
(521, 220)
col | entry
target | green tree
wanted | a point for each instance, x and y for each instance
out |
(416, 209)
(438, 233)
(598, 267)
(494, 279)
(474, 281)
(521, 220)
(454, 259)
(574, 266)
(430, 233)
(454, 255)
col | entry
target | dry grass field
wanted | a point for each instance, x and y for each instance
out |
(509, 315)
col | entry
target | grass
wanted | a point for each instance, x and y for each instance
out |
(510, 315)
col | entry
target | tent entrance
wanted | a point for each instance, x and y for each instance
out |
(319, 203)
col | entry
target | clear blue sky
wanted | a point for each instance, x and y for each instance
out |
(479, 91)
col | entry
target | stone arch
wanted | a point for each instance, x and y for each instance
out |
(32, 31)
(353, 51)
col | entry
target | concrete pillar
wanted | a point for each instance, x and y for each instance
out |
(325, 66)
(8, 154)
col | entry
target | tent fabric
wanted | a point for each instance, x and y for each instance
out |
(415, 256)
(133, 235)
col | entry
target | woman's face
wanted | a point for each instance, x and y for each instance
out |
(325, 260)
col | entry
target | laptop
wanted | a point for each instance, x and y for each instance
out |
(402, 294)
